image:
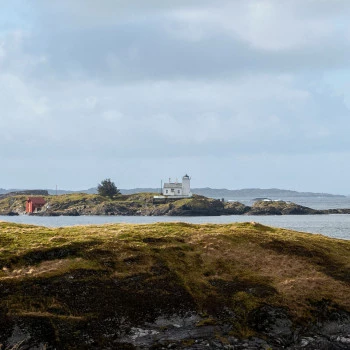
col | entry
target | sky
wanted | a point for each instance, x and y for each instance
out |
(238, 94)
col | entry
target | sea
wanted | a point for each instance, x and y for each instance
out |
(332, 225)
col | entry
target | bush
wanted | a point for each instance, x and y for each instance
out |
(107, 188)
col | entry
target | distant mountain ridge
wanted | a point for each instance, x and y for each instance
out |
(258, 193)
(50, 191)
(249, 193)
(241, 193)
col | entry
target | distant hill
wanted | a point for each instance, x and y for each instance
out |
(140, 190)
(89, 191)
(257, 193)
(249, 193)
(50, 191)
(24, 193)
(16, 192)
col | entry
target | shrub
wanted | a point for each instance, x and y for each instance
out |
(107, 188)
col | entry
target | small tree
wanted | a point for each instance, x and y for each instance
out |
(107, 188)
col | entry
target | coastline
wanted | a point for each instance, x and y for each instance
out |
(142, 204)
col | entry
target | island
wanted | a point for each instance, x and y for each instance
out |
(145, 204)
(172, 286)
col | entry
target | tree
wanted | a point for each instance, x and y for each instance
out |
(107, 188)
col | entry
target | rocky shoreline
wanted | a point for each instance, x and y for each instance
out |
(143, 205)
(188, 330)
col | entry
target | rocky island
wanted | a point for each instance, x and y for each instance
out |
(144, 204)
(172, 286)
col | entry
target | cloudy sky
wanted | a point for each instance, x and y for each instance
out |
(237, 93)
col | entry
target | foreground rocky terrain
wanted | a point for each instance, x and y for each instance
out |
(143, 204)
(172, 286)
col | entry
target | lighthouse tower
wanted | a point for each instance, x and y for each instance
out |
(186, 188)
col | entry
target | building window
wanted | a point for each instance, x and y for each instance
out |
(178, 191)
(166, 191)
(172, 190)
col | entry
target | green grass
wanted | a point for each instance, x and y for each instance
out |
(13, 203)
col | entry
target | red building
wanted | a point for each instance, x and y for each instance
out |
(34, 203)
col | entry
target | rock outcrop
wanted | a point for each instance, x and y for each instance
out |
(280, 208)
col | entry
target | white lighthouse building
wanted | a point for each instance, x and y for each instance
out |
(177, 189)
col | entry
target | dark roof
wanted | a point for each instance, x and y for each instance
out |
(36, 200)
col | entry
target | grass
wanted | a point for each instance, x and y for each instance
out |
(207, 267)
(13, 203)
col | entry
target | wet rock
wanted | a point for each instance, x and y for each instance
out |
(12, 213)
(274, 323)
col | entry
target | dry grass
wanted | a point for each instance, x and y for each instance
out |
(47, 269)
(240, 265)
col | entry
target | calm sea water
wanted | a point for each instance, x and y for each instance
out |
(337, 226)
(311, 202)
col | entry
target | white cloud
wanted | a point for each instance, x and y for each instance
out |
(270, 24)
(174, 80)
(232, 116)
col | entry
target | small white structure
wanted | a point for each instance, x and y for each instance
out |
(177, 189)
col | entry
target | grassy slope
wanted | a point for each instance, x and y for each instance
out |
(241, 266)
(13, 203)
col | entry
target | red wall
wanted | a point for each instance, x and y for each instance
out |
(29, 207)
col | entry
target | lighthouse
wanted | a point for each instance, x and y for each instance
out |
(186, 187)
(177, 189)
